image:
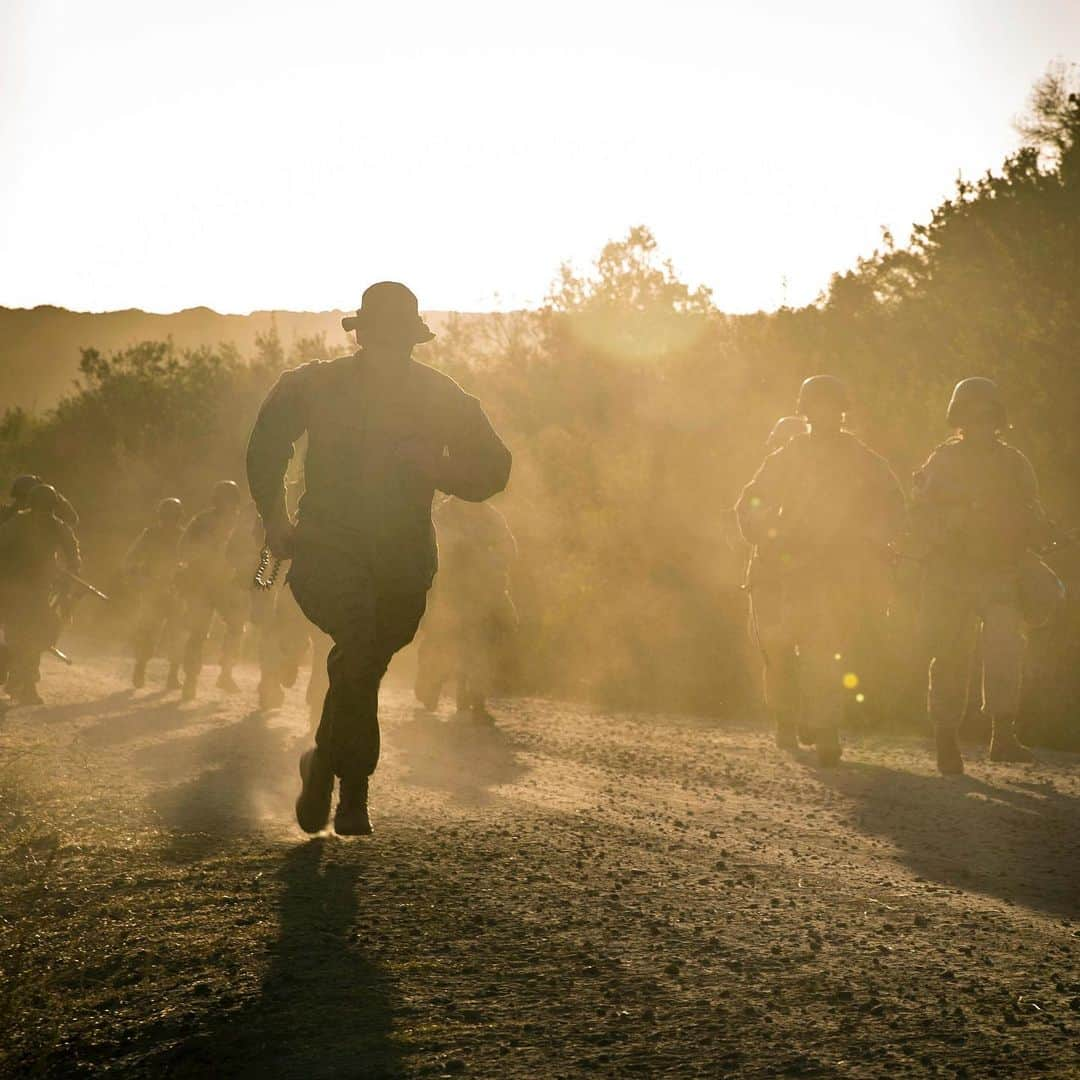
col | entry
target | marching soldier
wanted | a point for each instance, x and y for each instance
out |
(384, 433)
(771, 624)
(976, 511)
(35, 548)
(471, 611)
(153, 563)
(209, 577)
(821, 512)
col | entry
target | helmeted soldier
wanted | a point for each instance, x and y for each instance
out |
(384, 433)
(821, 512)
(771, 622)
(20, 493)
(209, 585)
(977, 515)
(470, 614)
(152, 563)
(35, 547)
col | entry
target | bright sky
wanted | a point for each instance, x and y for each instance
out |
(248, 155)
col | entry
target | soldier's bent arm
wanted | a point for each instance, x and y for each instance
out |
(477, 464)
(69, 547)
(761, 499)
(281, 421)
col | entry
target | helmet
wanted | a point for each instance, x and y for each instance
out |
(974, 400)
(226, 495)
(169, 511)
(23, 485)
(43, 499)
(784, 430)
(823, 397)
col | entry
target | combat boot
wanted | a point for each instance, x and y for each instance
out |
(172, 682)
(313, 802)
(787, 733)
(138, 676)
(351, 818)
(271, 696)
(829, 752)
(226, 682)
(950, 761)
(191, 684)
(1004, 745)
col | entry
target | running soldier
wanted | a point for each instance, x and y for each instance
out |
(384, 433)
(821, 512)
(36, 547)
(471, 613)
(209, 585)
(977, 515)
(152, 565)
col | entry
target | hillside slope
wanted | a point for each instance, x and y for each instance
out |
(39, 347)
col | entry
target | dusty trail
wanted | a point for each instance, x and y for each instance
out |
(571, 894)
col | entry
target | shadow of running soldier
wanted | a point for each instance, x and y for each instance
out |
(345, 1025)
(384, 433)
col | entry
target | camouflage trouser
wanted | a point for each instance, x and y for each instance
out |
(954, 618)
(773, 631)
(369, 621)
(31, 625)
(825, 612)
(231, 603)
(158, 624)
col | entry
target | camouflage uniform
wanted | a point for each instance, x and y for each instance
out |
(820, 511)
(364, 550)
(34, 546)
(976, 511)
(470, 612)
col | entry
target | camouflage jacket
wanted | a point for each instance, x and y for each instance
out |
(975, 508)
(31, 546)
(361, 493)
(818, 501)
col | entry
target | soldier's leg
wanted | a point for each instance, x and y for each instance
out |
(355, 674)
(318, 679)
(198, 617)
(233, 606)
(949, 625)
(432, 668)
(1003, 646)
(771, 632)
(147, 630)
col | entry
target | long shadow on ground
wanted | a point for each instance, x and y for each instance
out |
(459, 756)
(324, 1008)
(227, 782)
(1017, 842)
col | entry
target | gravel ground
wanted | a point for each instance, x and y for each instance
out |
(573, 893)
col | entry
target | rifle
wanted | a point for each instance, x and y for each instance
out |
(60, 655)
(84, 585)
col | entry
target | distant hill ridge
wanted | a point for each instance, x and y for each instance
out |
(39, 347)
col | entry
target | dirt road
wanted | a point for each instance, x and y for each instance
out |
(572, 894)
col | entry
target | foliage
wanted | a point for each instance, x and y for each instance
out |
(636, 411)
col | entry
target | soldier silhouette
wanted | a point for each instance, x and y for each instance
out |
(384, 434)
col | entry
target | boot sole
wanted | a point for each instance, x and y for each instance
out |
(312, 821)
